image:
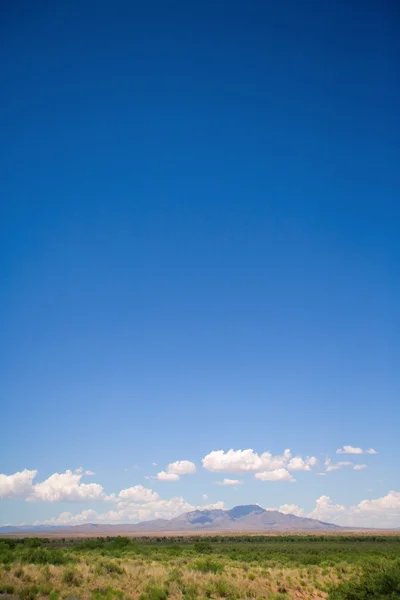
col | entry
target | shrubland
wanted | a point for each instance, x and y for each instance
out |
(191, 568)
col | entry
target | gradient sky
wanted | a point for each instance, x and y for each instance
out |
(200, 251)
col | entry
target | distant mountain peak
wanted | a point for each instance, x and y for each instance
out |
(243, 518)
(238, 512)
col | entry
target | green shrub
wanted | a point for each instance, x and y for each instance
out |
(71, 577)
(203, 548)
(154, 592)
(207, 565)
(6, 589)
(224, 589)
(378, 582)
(107, 594)
(108, 568)
(29, 593)
(190, 592)
(43, 556)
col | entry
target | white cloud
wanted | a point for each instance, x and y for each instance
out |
(339, 465)
(66, 487)
(217, 505)
(181, 467)
(58, 487)
(154, 464)
(300, 464)
(163, 476)
(330, 466)
(242, 461)
(354, 450)
(18, 485)
(174, 470)
(89, 473)
(204, 496)
(325, 510)
(227, 481)
(380, 512)
(291, 509)
(137, 493)
(275, 475)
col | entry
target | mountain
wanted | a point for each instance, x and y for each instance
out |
(250, 518)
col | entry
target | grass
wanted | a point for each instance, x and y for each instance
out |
(190, 568)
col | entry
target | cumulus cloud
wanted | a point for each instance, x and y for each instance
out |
(325, 510)
(174, 470)
(227, 481)
(291, 509)
(242, 461)
(66, 487)
(300, 464)
(216, 505)
(164, 476)
(58, 487)
(354, 450)
(181, 467)
(89, 473)
(266, 466)
(275, 475)
(137, 493)
(18, 485)
(380, 512)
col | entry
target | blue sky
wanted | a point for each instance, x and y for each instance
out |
(200, 252)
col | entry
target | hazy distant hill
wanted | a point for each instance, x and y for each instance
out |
(251, 518)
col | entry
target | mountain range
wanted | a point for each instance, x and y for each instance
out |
(249, 518)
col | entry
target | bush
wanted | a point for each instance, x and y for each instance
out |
(153, 592)
(381, 582)
(224, 589)
(108, 568)
(107, 594)
(203, 548)
(207, 565)
(29, 593)
(42, 556)
(71, 577)
(6, 589)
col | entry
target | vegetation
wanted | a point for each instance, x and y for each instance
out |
(191, 568)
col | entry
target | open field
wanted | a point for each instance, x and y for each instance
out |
(194, 568)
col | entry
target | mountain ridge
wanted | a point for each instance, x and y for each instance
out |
(241, 518)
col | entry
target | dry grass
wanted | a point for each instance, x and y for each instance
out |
(129, 578)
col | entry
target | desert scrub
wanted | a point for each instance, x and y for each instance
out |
(207, 565)
(377, 582)
(108, 568)
(6, 589)
(203, 548)
(19, 573)
(29, 593)
(107, 593)
(72, 577)
(154, 592)
(221, 588)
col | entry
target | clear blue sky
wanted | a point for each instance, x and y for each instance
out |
(200, 245)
